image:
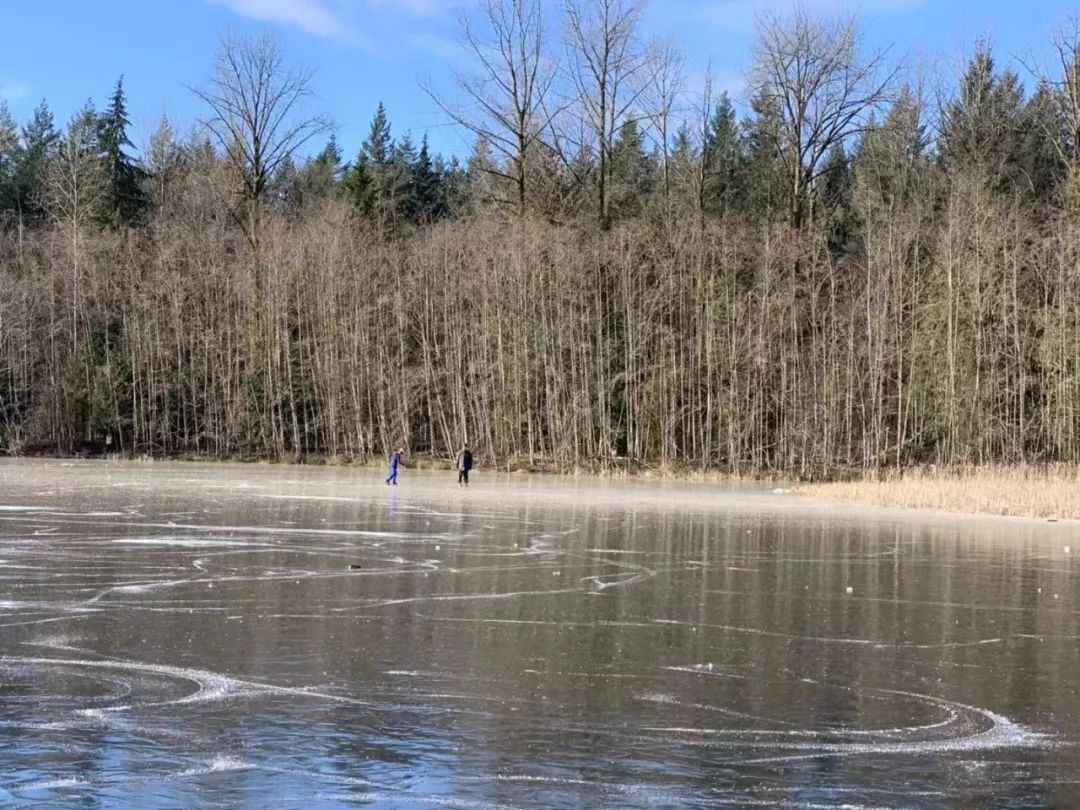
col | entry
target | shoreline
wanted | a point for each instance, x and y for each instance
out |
(619, 470)
(1042, 495)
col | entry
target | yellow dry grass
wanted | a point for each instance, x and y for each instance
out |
(1050, 491)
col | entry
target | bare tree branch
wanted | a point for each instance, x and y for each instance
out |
(606, 68)
(509, 89)
(825, 90)
(257, 115)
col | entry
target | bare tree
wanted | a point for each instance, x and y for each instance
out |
(606, 67)
(1065, 137)
(163, 159)
(666, 78)
(702, 110)
(74, 192)
(508, 92)
(824, 88)
(75, 176)
(257, 116)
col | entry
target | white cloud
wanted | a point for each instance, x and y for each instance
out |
(419, 8)
(312, 16)
(344, 20)
(12, 91)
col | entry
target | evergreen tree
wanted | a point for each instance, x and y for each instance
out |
(763, 180)
(398, 198)
(163, 165)
(378, 149)
(582, 169)
(285, 188)
(452, 187)
(553, 190)
(1040, 162)
(366, 180)
(425, 181)
(330, 158)
(9, 158)
(359, 186)
(484, 184)
(321, 176)
(75, 188)
(40, 140)
(891, 160)
(834, 197)
(982, 128)
(722, 158)
(126, 199)
(834, 183)
(631, 173)
(686, 167)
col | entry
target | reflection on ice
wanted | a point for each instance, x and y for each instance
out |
(284, 637)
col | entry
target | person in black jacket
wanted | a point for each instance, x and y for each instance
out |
(464, 464)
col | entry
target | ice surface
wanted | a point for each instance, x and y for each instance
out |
(215, 636)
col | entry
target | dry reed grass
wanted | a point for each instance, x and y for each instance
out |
(1045, 491)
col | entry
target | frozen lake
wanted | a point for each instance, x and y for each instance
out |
(178, 635)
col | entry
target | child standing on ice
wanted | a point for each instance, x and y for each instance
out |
(395, 461)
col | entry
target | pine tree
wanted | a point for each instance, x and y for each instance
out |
(378, 149)
(722, 159)
(891, 160)
(163, 165)
(330, 158)
(321, 176)
(359, 186)
(834, 183)
(365, 181)
(75, 189)
(763, 181)
(453, 186)
(982, 128)
(1038, 159)
(553, 192)
(397, 200)
(40, 139)
(9, 157)
(285, 191)
(834, 198)
(126, 200)
(425, 181)
(481, 189)
(686, 166)
(631, 173)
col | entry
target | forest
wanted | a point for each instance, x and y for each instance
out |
(847, 270)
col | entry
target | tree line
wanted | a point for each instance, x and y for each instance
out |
(851, 272)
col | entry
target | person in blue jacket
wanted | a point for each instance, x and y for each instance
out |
(395, 461)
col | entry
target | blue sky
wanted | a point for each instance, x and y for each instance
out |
(366, 51)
